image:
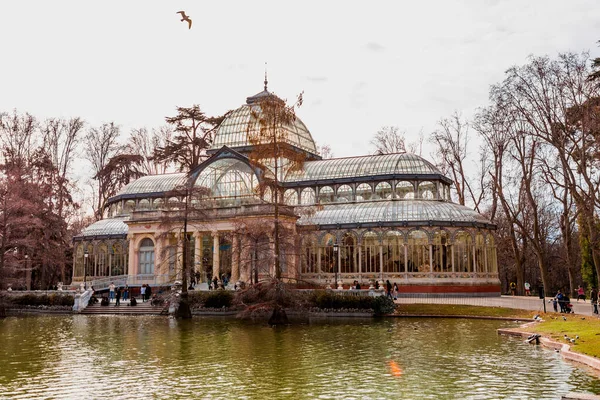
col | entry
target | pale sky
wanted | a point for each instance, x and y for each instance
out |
(361, 65)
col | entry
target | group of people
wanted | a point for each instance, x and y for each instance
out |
(391, 289)
(563, 301)
(117, 294)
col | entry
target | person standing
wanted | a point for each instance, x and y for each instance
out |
(527, 289)
(388, 288)
(395, 291)
(111, 291)
(118, 303)
(594, 300)
(125, 293)
(513, 288)
(143, 292)
(148, 292)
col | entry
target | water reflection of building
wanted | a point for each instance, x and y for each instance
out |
(356, 218)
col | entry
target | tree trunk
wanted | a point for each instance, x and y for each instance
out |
(279, 316)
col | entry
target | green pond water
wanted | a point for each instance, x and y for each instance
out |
(118, 357)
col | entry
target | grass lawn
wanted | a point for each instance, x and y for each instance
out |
(587, 328)
(451, 309)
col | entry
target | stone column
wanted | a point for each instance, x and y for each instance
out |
(452, 253)
(360, 261)
(405, 258)
(132, 262)
(216, 258)
(381, 262)
(235, 259)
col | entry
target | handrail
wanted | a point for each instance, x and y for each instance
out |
(81, 300)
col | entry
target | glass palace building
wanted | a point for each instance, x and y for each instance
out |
(365, 218)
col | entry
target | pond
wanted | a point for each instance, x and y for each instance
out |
(121, 357)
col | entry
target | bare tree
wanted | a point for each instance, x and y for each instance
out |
(145, 143)
(451, 142)
(389, 140)
(101, 144)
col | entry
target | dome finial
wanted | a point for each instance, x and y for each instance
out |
(266, 81)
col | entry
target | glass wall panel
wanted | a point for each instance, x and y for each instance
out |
(102, 266)
(479, 253)
(463, 252)
(309, 255)
(405, 190)
(307, 197)
(491, 254)
(326, 195)
(364, 192)
(328, 255)
(118, 260)
(442, 261)
(228, 178)
(344, 194)
(393, 252)
(349, 254)
(383, 190)
(418, 252)
(370, 253)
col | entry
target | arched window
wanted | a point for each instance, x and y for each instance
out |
(228, 178)
(326, 195)
(491, 254)
(463, 253)
(364, 192)
(158, 204)
(129, 206)
(479, 253)
(418, 252)
(102, 260)
(427, 190)
(328, 254)
(370, 253)
(383, 190)
(144, 204)
(405, 190)
(267, 195)
(290, 197)
(307, 197)
(393, 252)
(442, 261)
(344, 194)
(348, 254)
(146, 257)
(118, 261)
(309, 255)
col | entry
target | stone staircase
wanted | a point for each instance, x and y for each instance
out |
(124, 309)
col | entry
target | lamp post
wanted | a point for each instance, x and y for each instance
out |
(85, 258)
(335, 266)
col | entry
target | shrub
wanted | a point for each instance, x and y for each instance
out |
(218, 299)
(383, 305)
(31, 299)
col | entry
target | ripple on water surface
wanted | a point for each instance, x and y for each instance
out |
(120, 357)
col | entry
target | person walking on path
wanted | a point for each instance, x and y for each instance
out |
(594, 300)
(111, 291)
(118, 303)
(388, 288)
(580, 293)
(527, 289)
(143, 292)
(395, 291)
(513, 288)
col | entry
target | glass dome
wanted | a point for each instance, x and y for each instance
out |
(394, 211)
(355, 167)
(233, 131)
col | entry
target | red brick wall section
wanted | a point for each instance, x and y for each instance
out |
(449, 289)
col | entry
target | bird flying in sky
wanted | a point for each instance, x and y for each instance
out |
(185, 18)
